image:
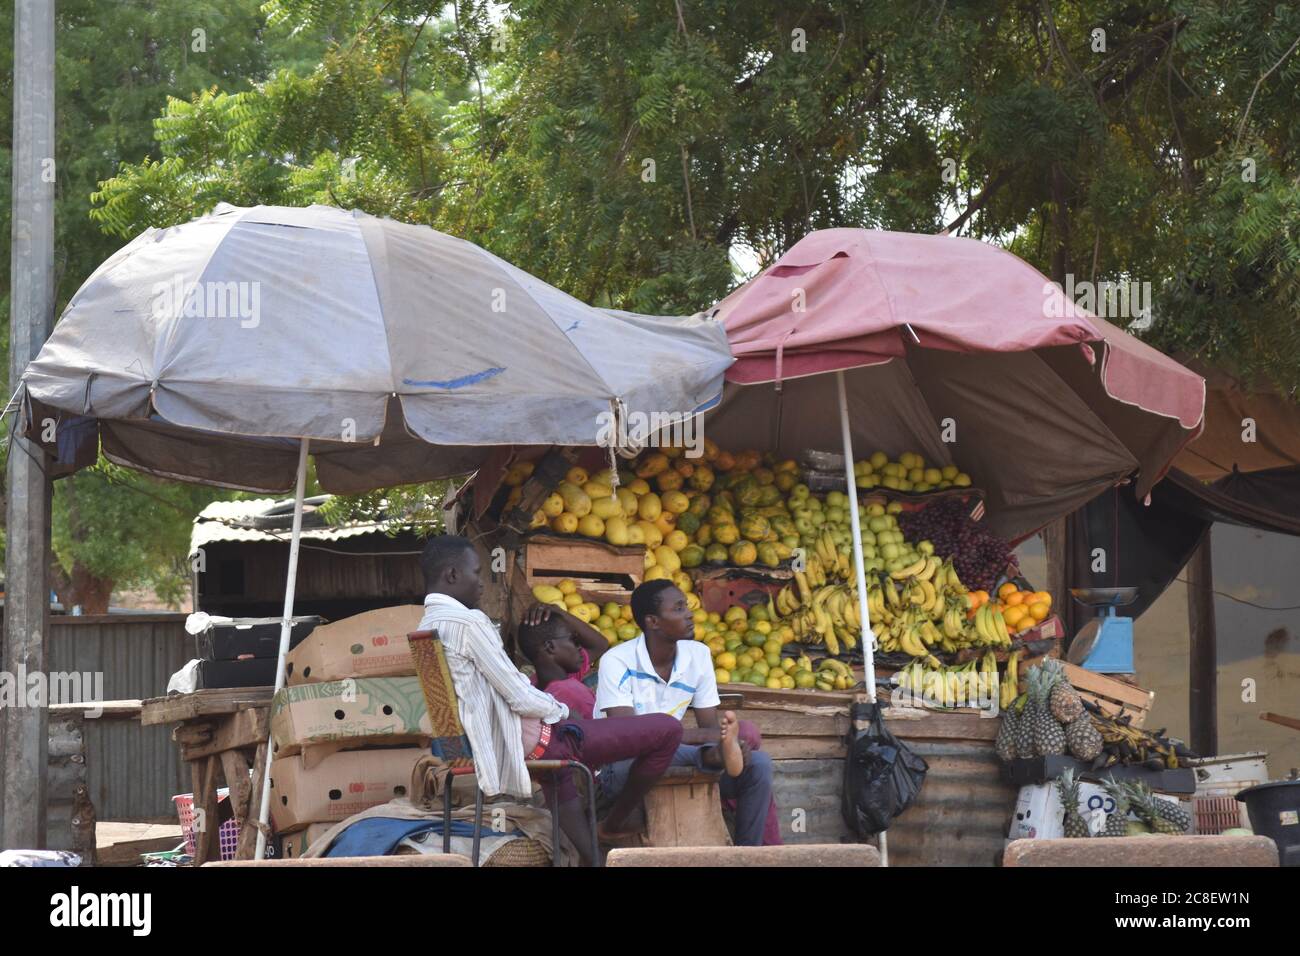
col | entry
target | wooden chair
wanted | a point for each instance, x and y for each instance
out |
(452, 746)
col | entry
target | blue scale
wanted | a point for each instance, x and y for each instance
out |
(1104, 644)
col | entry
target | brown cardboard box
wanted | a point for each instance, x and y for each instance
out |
(294, 845)
(355, 712)
(372, 644)
(339, 785)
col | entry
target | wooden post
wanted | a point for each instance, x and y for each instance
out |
(24, 728)
(1054, 545)
(1203, 663)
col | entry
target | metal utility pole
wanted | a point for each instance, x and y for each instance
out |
(23, 727)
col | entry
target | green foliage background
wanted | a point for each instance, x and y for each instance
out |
(633, 152)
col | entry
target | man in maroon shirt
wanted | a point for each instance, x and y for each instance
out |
(564, 649)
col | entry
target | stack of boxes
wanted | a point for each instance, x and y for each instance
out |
(242, 652)
(348, 727)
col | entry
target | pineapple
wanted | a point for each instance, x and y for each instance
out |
(1082, 738)
(1048, 735)
(1005, 745)
(1117, 822)
(1161, 815)
(1074, 825)
(1024, 727)
(1065, 703)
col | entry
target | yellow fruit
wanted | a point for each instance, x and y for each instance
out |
(638, 487)
(635, 534)
(626, 612)
(616, 531)
(573, 600)
(652, 465)
(553, 506)
(577, 476)
(676, 502)
(787, 682)
(775, 683)
(700, 617)
(565, 523)
(727, 659)
(547, 593)
(933, 476)
(667, 558)
(655, 573)
(1013, 616)
(653, 537)
(1043, 597)
(735, 614)
(627, 501)
(666, 523)
(575, 499)
(670, 480)
(677, 540)
(727, 534)
(612, 609)
(568, 586)
(590, 526)
(722, 676)
(594, 490)
(1006, 589)
(627, 631)
(692, 556)
(684, 584)
(582, 613)
(606, 508)
(610, 635)
(1039, 611)
(763, 627)
(742, 553)
(649, 558)
(649, 506)
(962, 480)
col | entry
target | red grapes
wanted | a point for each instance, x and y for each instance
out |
(979, 556)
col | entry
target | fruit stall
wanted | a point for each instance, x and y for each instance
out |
(967, 651)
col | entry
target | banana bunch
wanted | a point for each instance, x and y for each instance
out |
(991, 627)
(828, 615)
(1122, 743)
(1010, 682)
(834, 675)
(972, 684)
(832, 560)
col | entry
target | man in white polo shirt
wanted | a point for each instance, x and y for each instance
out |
(666, 671)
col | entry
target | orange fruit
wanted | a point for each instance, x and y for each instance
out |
(1039, 611)
(1014, 598)
(1013, 616)
(1042, 597)
(1006, 589)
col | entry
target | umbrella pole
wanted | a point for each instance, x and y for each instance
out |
(859, 569)
(286, 625)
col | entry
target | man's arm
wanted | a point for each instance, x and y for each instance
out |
(485, 652)
(707, 729)
(584, 635)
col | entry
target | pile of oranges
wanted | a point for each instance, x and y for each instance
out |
(1020, 609)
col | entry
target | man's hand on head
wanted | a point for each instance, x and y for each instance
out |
(538, 613)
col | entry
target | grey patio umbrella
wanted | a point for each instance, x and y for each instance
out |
(222, 350)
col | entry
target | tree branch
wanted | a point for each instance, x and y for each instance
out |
(994, 184)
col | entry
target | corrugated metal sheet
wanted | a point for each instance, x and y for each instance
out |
(960, 819)
(225, 520)
(963, 813)
(133, 770)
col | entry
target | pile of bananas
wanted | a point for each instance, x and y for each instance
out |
(973, 684)
(1010, 682)
(1123, 743)
(925, 605)
(819, 606)
(834, 675)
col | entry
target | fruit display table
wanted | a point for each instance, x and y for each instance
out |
(218, 731)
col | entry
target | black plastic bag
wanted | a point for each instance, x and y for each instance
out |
(882, 776)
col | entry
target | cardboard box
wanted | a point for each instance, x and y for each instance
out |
(372, 644)
(1040, 814)
(340, 785)
(357, 712)
(294, 845)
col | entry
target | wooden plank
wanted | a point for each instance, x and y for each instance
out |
(235, 767)
(1279, 719)
(552, 558)
(202, 703)
(1117, 690)
(906, 724)
(1203, 653)
(804, 748)
(107, 708)
(772, 723)
(247, 728)
(120, 844)
(205, 776)
(246, 849)
(759, 696)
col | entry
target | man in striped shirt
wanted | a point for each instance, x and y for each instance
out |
(508, 720)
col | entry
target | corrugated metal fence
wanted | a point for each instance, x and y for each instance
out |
(133, 770)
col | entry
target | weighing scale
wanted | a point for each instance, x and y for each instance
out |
(1104, 644)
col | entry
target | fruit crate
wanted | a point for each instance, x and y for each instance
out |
(721, 588)
(1037, 770)
(1215, 807)
(1113, 696)
(549, 559)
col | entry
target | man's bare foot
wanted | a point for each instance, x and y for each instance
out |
(733, 758)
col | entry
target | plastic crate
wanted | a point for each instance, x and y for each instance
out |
(1218, 781)
(229, 833)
